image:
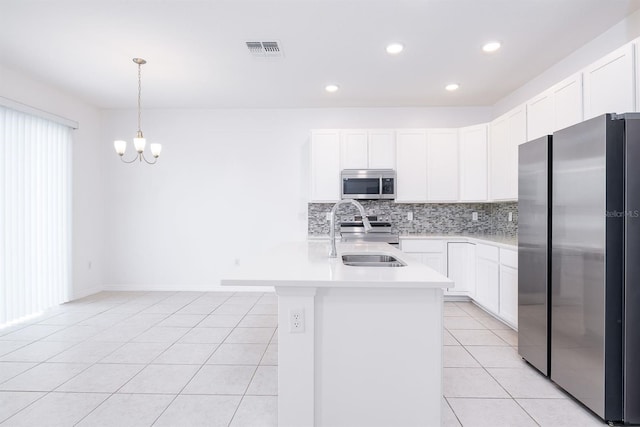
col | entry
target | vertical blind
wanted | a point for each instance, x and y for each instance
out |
(35, 214)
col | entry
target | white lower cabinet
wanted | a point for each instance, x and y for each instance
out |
(509, 286)
(437, 261)
(430, 252)
(509, 294)
(485, 273)
(461, 268)
(487, 284)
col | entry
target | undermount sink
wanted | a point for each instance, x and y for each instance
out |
(371, 260)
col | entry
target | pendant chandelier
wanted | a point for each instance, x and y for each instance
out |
(139, 142)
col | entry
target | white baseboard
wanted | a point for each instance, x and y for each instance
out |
(85, 292)
(189, 288)
(454, 298)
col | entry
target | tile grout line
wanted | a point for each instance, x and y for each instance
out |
(47, 392)
(208, 358)
(123, 344)
(254, 371)
(497, 382)
(493, 378)
(201, 365)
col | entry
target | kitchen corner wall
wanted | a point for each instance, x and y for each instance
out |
(432, 218)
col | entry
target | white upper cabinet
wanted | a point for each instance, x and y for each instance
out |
(517, 120)
(473, 163)
(556, 108)
(442, 165)
(382, 149)
(540, 117)
(506, 133)
(567, 102)
(325, 165)
(354, 149)
(367, 149)
(498, 157)
(609, 85)
(411, 164)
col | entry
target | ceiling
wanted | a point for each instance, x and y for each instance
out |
(197, 56)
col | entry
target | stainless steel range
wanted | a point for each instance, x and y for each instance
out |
(380, 231)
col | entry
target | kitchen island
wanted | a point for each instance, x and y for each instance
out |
(358, 345)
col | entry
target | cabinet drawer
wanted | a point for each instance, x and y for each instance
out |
(407, 245)
(487, 252)
(509, 258)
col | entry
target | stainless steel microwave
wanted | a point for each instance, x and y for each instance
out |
(368, 184)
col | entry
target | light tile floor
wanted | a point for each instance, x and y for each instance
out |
(196, 358)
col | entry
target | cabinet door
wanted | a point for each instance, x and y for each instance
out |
(435, 260)
(507, 132)
(509, 294)
(325, 165)
(567, 102)
(353, 149)
(498, 158)
(540, 120)
(442, 165)
(461, 268)
(487, 284)
(382, 149)
(609, 85)
(411, 166)
(473, 164)
(517, 134)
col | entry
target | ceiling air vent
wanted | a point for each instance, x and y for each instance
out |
(264, 50)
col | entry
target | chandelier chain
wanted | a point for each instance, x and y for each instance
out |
(139, 93)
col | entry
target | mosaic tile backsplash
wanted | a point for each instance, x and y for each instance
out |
(444, 218)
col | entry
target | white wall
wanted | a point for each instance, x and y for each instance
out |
(620, 34)
(88, 221)
(229, 184)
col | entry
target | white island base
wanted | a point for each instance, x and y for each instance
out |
(370, 353)
(368, 357)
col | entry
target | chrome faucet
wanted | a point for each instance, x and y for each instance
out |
(332, 231)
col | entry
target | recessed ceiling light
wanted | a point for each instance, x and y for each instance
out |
(394, 48)
(331, 88)
(491, 46)
(452, 86)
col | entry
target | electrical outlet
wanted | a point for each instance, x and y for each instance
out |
(296, 321)
(510, 216)
(410, 216)
(328, 216)
(474, 216)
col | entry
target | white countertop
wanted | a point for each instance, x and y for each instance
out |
(507, 242)
(307, 264)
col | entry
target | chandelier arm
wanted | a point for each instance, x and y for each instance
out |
(129, 161)
(148, 162)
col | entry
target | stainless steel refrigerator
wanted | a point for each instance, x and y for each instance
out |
(595, 265)
(534, 191)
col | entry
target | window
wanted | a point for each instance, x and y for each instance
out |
(35, 214)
